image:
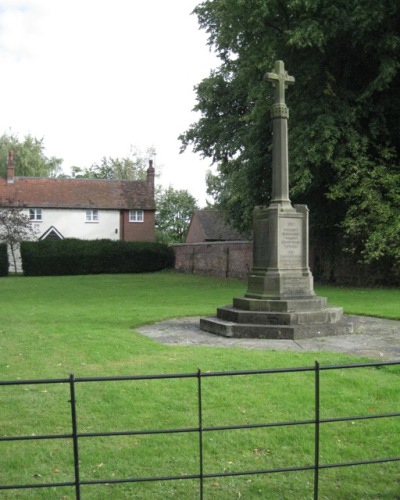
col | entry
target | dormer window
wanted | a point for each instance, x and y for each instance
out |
(92, 216)
(35, 214)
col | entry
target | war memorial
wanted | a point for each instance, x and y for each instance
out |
(280, 302)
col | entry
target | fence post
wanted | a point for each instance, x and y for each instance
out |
(75, 436)
(200, 432)
(317, 425)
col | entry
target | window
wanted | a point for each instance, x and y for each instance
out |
(136, 216)
(92, 216)
(35, 214)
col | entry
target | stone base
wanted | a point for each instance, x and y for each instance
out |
(278, 319)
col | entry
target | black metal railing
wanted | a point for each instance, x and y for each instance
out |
(75, 436)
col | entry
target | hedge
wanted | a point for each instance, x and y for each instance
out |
(73, 256)
(3, 259)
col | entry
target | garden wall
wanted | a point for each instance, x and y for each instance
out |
(224, 259)
(234, 259)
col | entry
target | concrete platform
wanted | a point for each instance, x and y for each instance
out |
(374, 338)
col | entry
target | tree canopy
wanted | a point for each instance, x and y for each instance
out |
(175, 208)
(344, 143)
(29, 157)
(132, 167)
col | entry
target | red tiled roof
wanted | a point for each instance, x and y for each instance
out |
(76, 193)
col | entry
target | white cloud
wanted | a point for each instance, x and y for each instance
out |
(95, 76)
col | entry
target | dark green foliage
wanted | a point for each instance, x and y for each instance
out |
(343, 132)
(3, 260)
(74, 256)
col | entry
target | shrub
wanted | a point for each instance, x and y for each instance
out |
(3, 259)
(73, 256)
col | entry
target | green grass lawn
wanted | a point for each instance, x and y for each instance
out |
(50, 327)
(379, 302)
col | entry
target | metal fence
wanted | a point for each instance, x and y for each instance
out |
(75, 436)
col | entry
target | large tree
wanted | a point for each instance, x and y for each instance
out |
(343, 129)
(29, 156)
(174, 209)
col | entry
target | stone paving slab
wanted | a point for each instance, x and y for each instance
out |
(374, 338)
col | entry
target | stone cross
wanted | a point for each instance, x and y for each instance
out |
(280, 79)
(280, 156)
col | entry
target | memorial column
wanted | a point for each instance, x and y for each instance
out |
(280, 115)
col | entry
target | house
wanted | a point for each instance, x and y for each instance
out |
(83, 208)
(209, 225)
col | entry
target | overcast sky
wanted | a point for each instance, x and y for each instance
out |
(93, 77)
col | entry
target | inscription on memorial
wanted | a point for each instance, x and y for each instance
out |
(290, 242)
(295, 284)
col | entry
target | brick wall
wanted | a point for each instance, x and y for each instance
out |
(225, 259)
(138, 231)
(234, 259)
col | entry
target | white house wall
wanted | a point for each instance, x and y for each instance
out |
(71, 223)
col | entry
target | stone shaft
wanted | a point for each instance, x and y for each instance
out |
(280, 155)
(280, 163)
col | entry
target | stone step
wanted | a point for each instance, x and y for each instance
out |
(219, 326)
(225, 328)
(327, 315)
(306, 304)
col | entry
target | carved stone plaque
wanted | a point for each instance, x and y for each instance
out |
(295, 284)
(290, 243)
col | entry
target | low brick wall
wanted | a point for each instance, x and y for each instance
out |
(234, 259)
(224, 259)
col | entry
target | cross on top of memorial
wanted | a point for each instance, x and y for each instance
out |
(280, 156)
(280, 79)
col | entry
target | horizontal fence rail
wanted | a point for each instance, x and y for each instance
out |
(75, 436)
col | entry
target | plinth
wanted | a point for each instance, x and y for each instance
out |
(280, 253)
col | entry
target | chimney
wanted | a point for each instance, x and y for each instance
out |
(150, 178)
(10, 168)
